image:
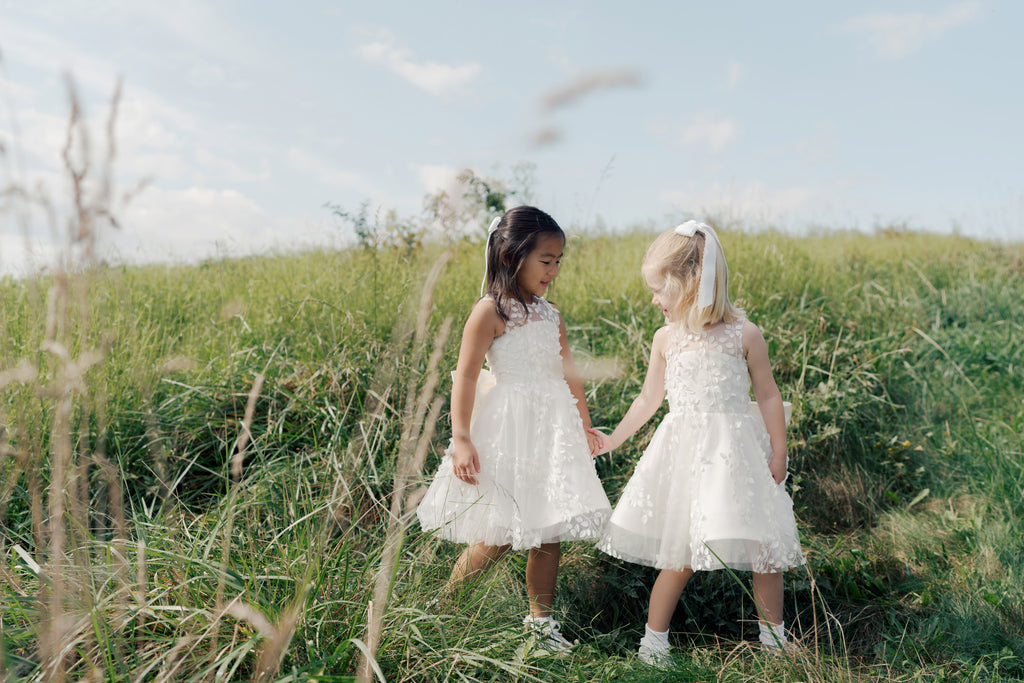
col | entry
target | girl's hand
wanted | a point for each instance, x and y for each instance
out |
(465, 461)
(599, 442)
(777, 466)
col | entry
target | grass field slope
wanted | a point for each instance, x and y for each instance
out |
(208, 471)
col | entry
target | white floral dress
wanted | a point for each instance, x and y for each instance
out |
(537, 482)
(701, 495)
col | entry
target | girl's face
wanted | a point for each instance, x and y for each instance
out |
(540, 267)
(659, 299)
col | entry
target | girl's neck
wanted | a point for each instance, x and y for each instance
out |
(681, 324)
(527, 297)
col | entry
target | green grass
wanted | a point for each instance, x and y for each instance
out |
(903, 356)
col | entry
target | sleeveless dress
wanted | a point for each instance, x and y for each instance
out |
(701, 495)
(537, 482)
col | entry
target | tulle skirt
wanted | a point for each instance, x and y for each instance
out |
(537, 482)
(702, 497)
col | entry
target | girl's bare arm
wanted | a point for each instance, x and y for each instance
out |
(481, 328)
(769, 399)
(650, 397)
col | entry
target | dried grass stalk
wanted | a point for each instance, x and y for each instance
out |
(420, 414)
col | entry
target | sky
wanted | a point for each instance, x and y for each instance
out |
(241, 123)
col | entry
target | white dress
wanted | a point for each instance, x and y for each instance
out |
(701, 495)
(537, 482)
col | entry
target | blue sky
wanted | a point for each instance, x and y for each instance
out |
(250, 116)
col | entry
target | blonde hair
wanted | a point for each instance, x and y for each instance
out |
(673, 262)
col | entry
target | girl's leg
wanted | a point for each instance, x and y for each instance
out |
(654, 647)
(665, 596)
(768, 597)
(541, 573)
(472, 563)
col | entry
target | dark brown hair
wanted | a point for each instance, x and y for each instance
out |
(508, 246)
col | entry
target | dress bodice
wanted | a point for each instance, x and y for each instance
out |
(529, 349)
(706, 371)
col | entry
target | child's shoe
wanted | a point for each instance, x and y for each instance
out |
(773, 638)
(548, 632)
(654, 648)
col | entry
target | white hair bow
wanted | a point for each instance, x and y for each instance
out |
(708, 262)
(487, 250)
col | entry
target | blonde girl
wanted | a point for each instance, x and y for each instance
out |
(707, 492)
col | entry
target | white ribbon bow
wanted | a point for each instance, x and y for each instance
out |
(487, 249)
(708, 261)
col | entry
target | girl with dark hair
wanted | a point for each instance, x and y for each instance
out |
(519, 472)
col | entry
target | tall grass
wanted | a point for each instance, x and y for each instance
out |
(208, 471)
(901, 354)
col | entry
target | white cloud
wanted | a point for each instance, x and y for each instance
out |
(228, 170)
(52, 56)
(21, 256)
(437, 178)
(307, 230)
(151, 132)
(206, 76)
(12, 90)
(40, 137)
(753, 201)
(140, 124)
(560, 59)
(707, 128)
(198, 24)
(152, 140)
(162, 224)
(735, 72)
(818, 148)
(432, 77)
(328, 174)
(897, 35)
(141, 139)
(461, 215)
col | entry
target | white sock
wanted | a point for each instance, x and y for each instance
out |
(767, 630)
(655, 637)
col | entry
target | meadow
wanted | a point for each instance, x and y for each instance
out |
(209, 470)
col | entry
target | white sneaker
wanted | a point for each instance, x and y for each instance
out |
(773, 639)
(548, 632)
(654, 651)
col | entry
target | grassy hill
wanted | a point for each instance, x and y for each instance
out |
(199, 465)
